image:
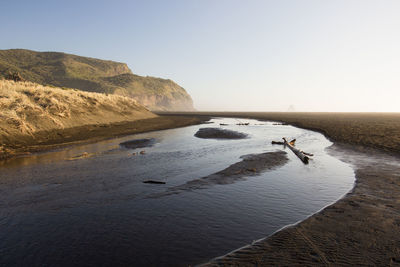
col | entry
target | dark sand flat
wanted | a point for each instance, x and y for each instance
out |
(362, 228)
(250, 165)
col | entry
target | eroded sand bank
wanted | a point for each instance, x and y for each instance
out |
(46, 140)
(250, 165)
(360, 229)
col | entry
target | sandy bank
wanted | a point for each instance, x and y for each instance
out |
(250, 165)
(27, 108)
(46, 140)
(35, 117)
(360, 229)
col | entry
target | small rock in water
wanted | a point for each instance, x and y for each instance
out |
(153, 182)
(142, 152)
(138, 143)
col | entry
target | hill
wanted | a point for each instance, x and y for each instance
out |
(94, 75)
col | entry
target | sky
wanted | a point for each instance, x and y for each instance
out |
(341, 55)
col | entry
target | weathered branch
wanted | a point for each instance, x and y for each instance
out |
(297, 152)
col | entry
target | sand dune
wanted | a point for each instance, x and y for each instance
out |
(27, 108)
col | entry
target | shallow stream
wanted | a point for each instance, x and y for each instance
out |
(58, 208)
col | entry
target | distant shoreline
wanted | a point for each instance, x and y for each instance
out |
(375, 130)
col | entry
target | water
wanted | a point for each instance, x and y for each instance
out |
(96, 211)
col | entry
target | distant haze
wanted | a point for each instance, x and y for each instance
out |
(340, 55)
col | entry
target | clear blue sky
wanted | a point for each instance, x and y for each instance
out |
(340, 55)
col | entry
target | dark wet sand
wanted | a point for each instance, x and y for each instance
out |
(218, 133)
(250, 165)
(47, 140)
(362, 228)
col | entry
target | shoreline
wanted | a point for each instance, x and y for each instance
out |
(58, 138)
(360, 228)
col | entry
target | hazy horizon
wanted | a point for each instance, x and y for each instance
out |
(338, 56)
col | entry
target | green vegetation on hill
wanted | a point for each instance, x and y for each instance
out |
(94, 75)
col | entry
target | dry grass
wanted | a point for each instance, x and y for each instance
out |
(26, 108)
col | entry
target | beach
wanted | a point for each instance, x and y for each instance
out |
(138, 133)
(361, 228)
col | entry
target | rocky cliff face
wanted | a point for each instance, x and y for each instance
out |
(94, 75)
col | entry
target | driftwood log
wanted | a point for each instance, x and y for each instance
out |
(296, 151)
(303, 156)
(277, 143)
